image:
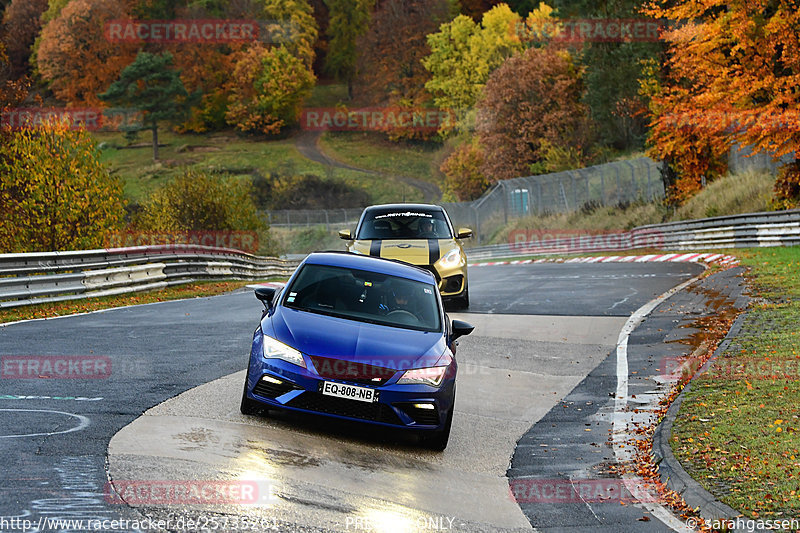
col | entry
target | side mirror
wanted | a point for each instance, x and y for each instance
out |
(461, 328)
(345, 234)
(464, 233)
(266, 295)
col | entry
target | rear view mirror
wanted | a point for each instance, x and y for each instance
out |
(266, 295)
(461, 328)
(464, 233)
(345, 234)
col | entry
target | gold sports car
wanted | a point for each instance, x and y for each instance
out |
(419, 234)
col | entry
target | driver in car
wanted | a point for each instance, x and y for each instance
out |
(427, 229)
(399, 298)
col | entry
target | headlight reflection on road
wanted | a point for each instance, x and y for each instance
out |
(260, 475)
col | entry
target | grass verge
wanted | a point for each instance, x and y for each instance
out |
(370, 151)
(179, 292)
(738, 430)
(225, 154)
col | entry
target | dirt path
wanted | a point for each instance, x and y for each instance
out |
(307, 144)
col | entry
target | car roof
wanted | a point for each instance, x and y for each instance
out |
(425, 208)
(371, 264)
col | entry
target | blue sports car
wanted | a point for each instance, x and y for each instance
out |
(358, 338)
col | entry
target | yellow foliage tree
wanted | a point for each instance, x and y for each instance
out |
(54, 192)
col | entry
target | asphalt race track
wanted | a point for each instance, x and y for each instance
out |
(161, 405)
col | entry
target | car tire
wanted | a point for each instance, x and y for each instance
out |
(248, 406)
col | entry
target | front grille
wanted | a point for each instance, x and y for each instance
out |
(425, 417)
(375, 411)
(351, 371)
(268, 389)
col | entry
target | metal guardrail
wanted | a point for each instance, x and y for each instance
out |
(33, 278)
(778, 228)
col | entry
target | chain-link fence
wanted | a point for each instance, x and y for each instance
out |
(614, 183)
(617, 183)
(330, 218)
(745, 160)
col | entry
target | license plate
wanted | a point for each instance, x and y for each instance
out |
(351, 392)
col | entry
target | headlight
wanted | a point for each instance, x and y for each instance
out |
(427, 376)
(277, 350)
(451, 258)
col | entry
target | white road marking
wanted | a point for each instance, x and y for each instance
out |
(621, 436)
(83, 423)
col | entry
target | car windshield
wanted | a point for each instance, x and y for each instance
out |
(365, 296)
(383, 224)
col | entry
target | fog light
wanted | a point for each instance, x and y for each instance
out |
(270, 379)
(424, 406)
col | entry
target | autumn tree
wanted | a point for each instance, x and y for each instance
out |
(348, 21)
(464, 54)
(22, 23)
(74, 56)
(463, 171)
(476, 8)
(152, 86)
(532, 98)
(731, 77)
(692, 150)
(390, 70)
(291, 24)
(196, 200)
(267, 89)
(12, 91)
(55, 193)
(53, 10)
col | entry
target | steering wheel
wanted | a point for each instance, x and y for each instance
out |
(401, 314)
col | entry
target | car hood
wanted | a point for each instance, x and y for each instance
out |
(414, 251)
(349, 340)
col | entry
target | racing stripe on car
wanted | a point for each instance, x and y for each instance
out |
(375, 248)
(433, 250)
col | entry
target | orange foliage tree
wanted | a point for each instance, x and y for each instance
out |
(75, 57)
(267, 89)
(22, 24)
(732, 75)
(531, 102)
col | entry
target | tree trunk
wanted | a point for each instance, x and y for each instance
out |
(155, 141)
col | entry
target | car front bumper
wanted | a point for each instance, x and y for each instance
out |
(281, 385)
